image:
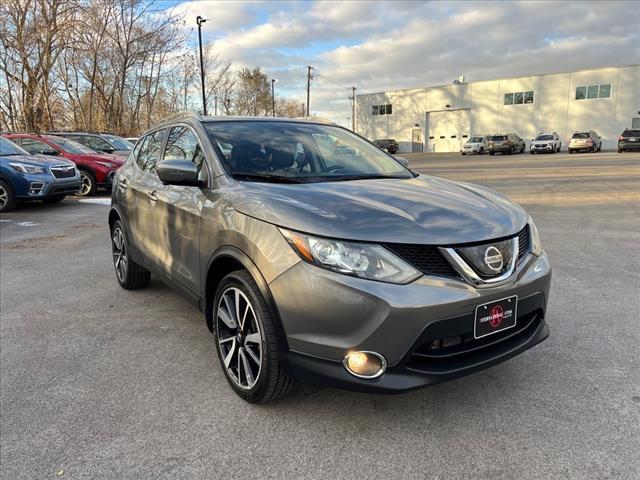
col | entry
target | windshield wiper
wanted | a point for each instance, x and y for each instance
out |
(344, 178)
(267, 177)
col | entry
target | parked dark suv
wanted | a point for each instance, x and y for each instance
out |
(100, 142)
(317, 257)
(388, 144)
(505, 143)
(629, 140)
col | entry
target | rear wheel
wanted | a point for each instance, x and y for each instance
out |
(7, 199)
(522, 148)
(247, 341)
(130, 275)
(88, 186)
(492, 153)
(54, 199)
(481, 151)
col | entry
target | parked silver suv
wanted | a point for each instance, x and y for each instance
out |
(585, 141)
(317, 257)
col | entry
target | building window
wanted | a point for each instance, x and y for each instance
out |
(593, 91)
(518, 98)
(382, 109)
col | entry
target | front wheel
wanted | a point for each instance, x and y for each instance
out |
(88, 186)
(130, 275)
(247, 341)
(7, 199)
(481, 151)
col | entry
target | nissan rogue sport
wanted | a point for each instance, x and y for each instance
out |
(318, 258)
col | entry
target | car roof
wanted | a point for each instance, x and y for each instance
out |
(212, 119)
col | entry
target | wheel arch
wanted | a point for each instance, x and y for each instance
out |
(226, 260)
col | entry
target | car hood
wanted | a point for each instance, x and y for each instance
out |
(37, 160)
(107, 157)
(422, 210)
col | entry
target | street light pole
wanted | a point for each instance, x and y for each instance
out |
(273, 97)
(200, 21)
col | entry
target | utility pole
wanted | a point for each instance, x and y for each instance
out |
(200, 21)
(309, 68)
(273, 97)
(353, 109)
(215, 105)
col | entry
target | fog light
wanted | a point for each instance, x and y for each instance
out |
(365, 364)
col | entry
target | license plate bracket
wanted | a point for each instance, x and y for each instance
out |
(495, 316)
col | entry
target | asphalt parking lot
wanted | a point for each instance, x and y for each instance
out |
(98, 382)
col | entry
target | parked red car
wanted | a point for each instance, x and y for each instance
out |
(96, 169)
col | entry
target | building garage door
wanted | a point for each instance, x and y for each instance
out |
(447, 131)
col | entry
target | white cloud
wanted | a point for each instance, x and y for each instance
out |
(388, 45)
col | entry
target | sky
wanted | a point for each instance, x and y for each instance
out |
(378, 46)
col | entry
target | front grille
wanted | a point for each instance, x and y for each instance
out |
(63, 172)
(440, 355)
(523, 242)
(425, 258)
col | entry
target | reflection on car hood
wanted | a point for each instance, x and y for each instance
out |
(37, 160)
(422, 210)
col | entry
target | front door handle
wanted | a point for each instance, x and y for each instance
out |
(152, 196)
(122, 184)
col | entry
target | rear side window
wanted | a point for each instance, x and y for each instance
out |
(150, 151)
(35, 146)
(182, 144)
(97, 143)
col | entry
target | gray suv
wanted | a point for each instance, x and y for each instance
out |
(318, 258)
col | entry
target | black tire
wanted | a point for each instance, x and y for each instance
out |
(492, 153)
(463, 153)
(510, 150)
(54, 199)
(619, 150)
(130, 275)
(570, 151)
(481, 151)
(273, 380)
(88, 186)
(7, 198)
(522, 148)
(531, 152)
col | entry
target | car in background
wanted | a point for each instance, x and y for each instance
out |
(475, 144)
(96, 170)
(585, 141)
(25, 177)
(505, 143)
(388, 144)
(545, 143)
(629, 140)
(100, 142)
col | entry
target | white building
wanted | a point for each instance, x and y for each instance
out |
(441, 118)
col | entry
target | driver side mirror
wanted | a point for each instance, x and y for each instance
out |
(403, 161)
(178, 172)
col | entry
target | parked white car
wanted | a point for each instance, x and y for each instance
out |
(545, 143)
(476, 144)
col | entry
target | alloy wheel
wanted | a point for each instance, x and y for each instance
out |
(239, 338)
(120, 259)
(86, 184)
(4, 197)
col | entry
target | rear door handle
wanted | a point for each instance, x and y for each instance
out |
(152, 196)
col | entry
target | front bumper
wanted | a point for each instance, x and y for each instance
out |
(327, 315)
(500, 148)
(40, 187)
(542, 149)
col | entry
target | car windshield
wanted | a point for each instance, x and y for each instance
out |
(7, 147)
(118, 142)
(631, 133)
(293, 152)
(70, 146)
(580, 135)
(544, 137)
(476, 140)
(498, 138)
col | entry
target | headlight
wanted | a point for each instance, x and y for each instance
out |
(536, 246)
(364, 260)
(22, 168)
(106, 164)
